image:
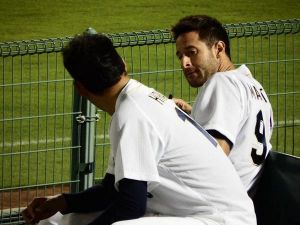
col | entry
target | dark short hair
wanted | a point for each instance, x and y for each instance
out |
(210, 30)
(92, 60)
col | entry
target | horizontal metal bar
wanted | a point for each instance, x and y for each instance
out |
(149, 37)
(11, 217)
(33, 46)
(285, 93)
(35, 82)
(38, 185)
(39, 151)
(48, 140)
(103, 144)
(272, 61)
(275, 27)
(38, 117)
(286, 126)
(154, 72)
(141, 38)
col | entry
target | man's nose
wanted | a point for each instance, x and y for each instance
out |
(185, 62)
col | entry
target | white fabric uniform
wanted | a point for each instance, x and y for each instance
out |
(236, 105)
(190, 180)
(188, 175)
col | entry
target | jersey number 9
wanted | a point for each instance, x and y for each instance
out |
(261, 138)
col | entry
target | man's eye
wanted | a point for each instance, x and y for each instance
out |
(193, 52)
(179, 56)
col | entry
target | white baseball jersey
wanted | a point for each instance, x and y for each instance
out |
(187, 173)
(236, 105)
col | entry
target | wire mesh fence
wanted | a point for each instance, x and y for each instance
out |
(53, 141)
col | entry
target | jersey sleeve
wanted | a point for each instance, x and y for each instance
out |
(95, 198)
(129, 203)
(136, 147)
(220, 106)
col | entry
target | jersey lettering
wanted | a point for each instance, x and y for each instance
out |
(158, 97)
(257, 94)
(261, 92)
(261, 138)
(183, 116)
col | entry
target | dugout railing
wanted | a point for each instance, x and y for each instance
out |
(53, 141)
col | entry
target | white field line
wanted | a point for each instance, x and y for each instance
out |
(286, 122)
(66, 139)
(43, 141)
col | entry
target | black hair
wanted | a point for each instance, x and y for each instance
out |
(92, 60)
(209, 29)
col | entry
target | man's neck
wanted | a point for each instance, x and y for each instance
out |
(225, 65)
(107, 100)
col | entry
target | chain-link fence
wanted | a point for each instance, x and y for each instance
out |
(53, 141)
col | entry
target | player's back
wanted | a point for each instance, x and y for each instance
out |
(254, 139)
(235, 104)
(196, 178)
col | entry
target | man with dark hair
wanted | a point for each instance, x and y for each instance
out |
(92, 61)
(163, 167)
(231, 105)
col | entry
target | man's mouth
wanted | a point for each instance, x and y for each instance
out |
(189, 73)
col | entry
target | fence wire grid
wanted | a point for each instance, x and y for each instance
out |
(53, 141)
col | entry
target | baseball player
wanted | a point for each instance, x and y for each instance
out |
(231, 105)
(163, 168)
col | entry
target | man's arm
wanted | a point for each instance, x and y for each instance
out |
(183, 105)
(42, 208)
(224, 145)
(130, 203)
(223, 141)
(95, 198)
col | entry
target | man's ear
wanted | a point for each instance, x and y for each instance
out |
(220, 48)
(125, 65)
(81, 89)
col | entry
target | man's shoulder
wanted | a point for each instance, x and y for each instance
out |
(240, 76)
(226, 79)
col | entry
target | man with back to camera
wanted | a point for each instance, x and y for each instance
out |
(231, 105)
(163, 168)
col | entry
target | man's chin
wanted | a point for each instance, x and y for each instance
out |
(195, 84)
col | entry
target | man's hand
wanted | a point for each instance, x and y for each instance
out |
(183, 105)
(42, 208)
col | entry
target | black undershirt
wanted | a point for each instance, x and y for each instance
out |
(127, 203)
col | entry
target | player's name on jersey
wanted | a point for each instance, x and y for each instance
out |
(257, 93)
(158, 97)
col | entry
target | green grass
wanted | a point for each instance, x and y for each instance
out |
(33, 19)
(38, 105)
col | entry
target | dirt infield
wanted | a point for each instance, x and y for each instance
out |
(21, 198)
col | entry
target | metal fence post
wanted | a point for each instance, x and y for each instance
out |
(83, 142)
